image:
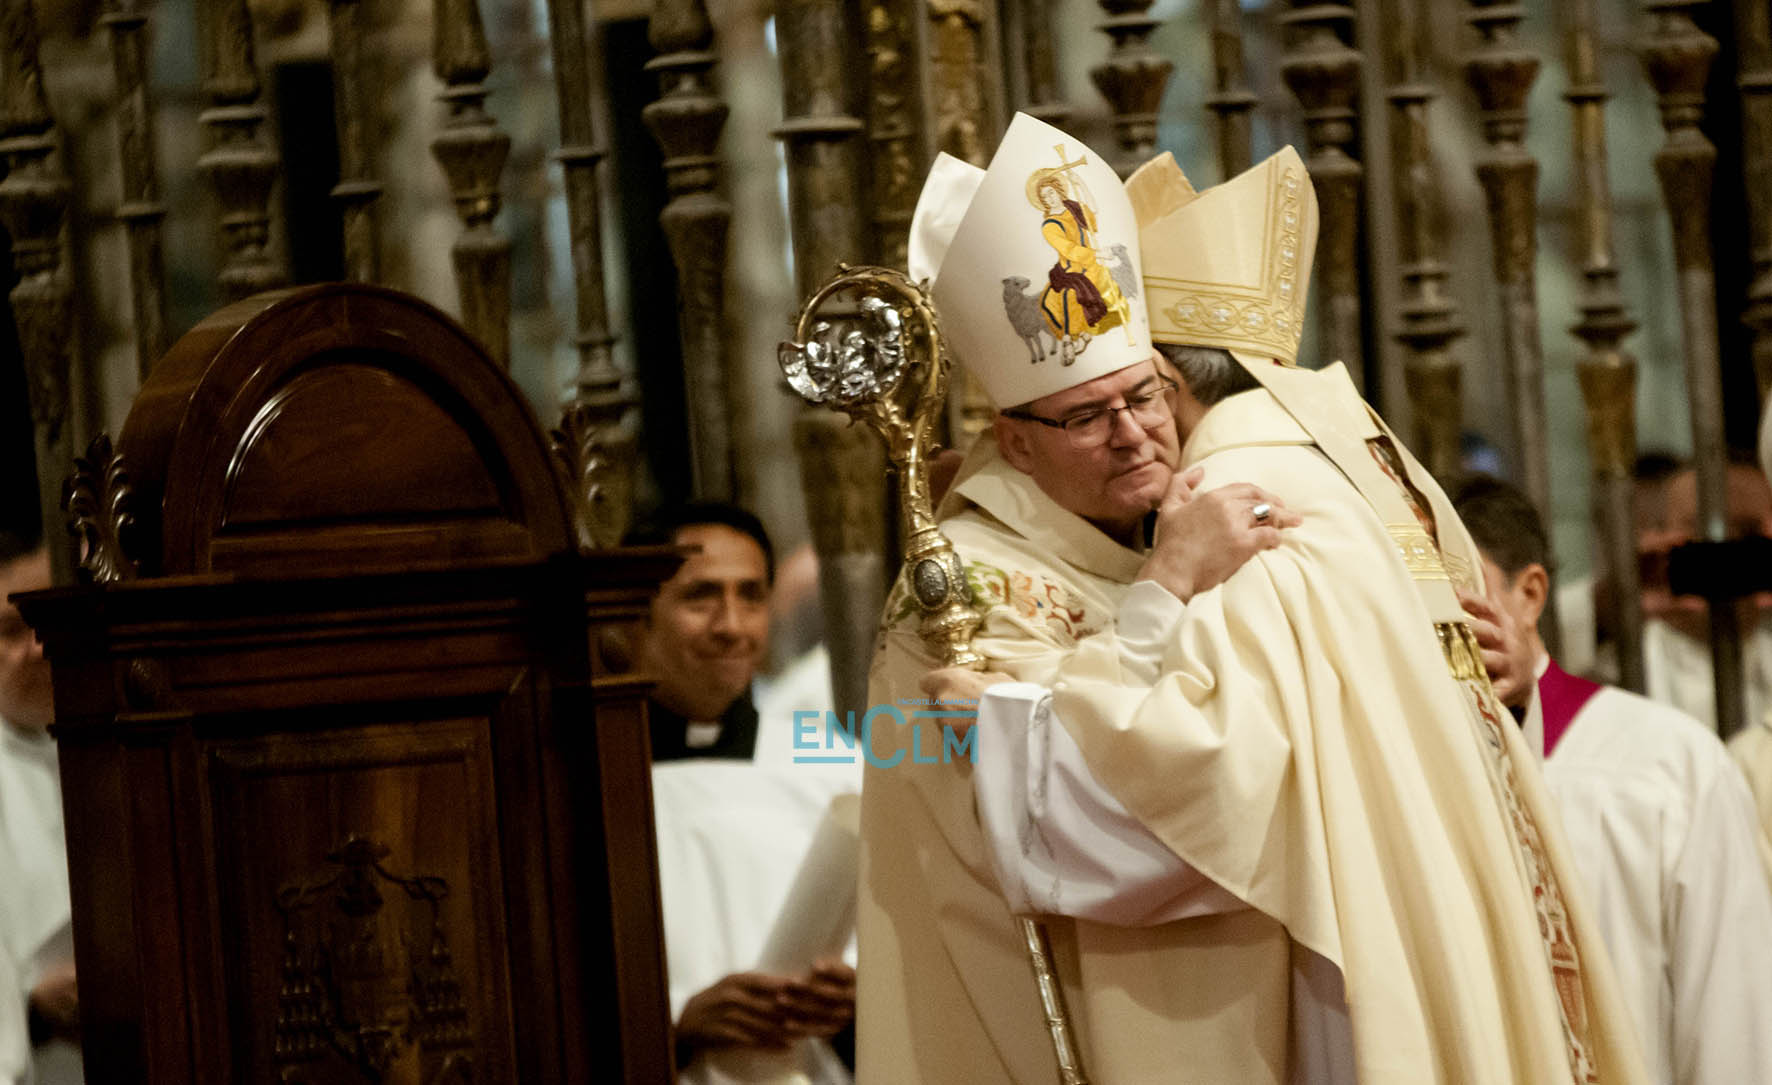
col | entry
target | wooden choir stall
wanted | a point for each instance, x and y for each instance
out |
(354, 791)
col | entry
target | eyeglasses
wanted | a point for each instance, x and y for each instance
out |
(1091, 429)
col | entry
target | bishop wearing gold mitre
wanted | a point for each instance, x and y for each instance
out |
(1275, 822)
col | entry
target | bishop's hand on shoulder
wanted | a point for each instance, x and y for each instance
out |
(1204, 537)
(1507, 651)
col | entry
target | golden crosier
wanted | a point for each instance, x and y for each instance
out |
(893, 377)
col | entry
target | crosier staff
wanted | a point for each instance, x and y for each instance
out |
(889, 368)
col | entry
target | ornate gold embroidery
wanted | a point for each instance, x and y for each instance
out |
(1269, 314)
(1420, 555)
(1462, 574)
(1464, 661)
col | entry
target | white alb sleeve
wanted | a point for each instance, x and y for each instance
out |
(1060, 842)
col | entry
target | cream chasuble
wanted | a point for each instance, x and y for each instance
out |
(1306, 749)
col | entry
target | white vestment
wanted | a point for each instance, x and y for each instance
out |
(1320, 746)
(1663, 830)
(731, 838)
(1751, 747)
(1061, 844)
(36, 919)
(1678, 670)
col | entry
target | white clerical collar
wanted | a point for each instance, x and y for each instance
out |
(699, 736)
(992, 483)
(33, 743)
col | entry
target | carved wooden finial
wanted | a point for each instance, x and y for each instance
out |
(103, 516)
(1132, 79)
(1323, 71)
(240, 162)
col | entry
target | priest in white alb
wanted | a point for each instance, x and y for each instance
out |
(1278, 827)
(1664, 831)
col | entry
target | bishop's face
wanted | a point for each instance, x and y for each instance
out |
(1112, 485)
(26, 699)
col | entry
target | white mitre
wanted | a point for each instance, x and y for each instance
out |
(1228, 267)
(1033, 264)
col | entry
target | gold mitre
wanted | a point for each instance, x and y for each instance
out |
(1228, 267)
(1033, 264)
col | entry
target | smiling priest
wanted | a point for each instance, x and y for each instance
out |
(1276, 822)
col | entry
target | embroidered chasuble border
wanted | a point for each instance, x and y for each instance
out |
(1417, 541)
(1420, 556)
(1464, 660)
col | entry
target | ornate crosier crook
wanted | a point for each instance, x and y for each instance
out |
(887, 365)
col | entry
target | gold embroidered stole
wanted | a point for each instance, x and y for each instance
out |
(1439, 555)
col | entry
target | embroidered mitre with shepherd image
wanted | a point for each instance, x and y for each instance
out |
(1033, 264)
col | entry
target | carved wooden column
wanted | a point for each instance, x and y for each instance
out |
(1678, 56)
(357, 189)
(241, 162)
(841, 464)
(1231, 100)
(472, 149)
(1323, 71)
(1753, 44)
(1132, 79)
(1040, 58)
(34, 200)
(1502, 72)
(1427, 316)
(1608, 373)
(140, 209)
(686, 121)
(596, 439)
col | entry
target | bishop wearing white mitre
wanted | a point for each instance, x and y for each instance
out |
(1279, 829)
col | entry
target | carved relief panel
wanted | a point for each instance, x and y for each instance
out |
(364, 945)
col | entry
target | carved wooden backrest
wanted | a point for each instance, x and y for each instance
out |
(237, 430)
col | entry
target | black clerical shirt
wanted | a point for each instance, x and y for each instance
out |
(738, 733)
